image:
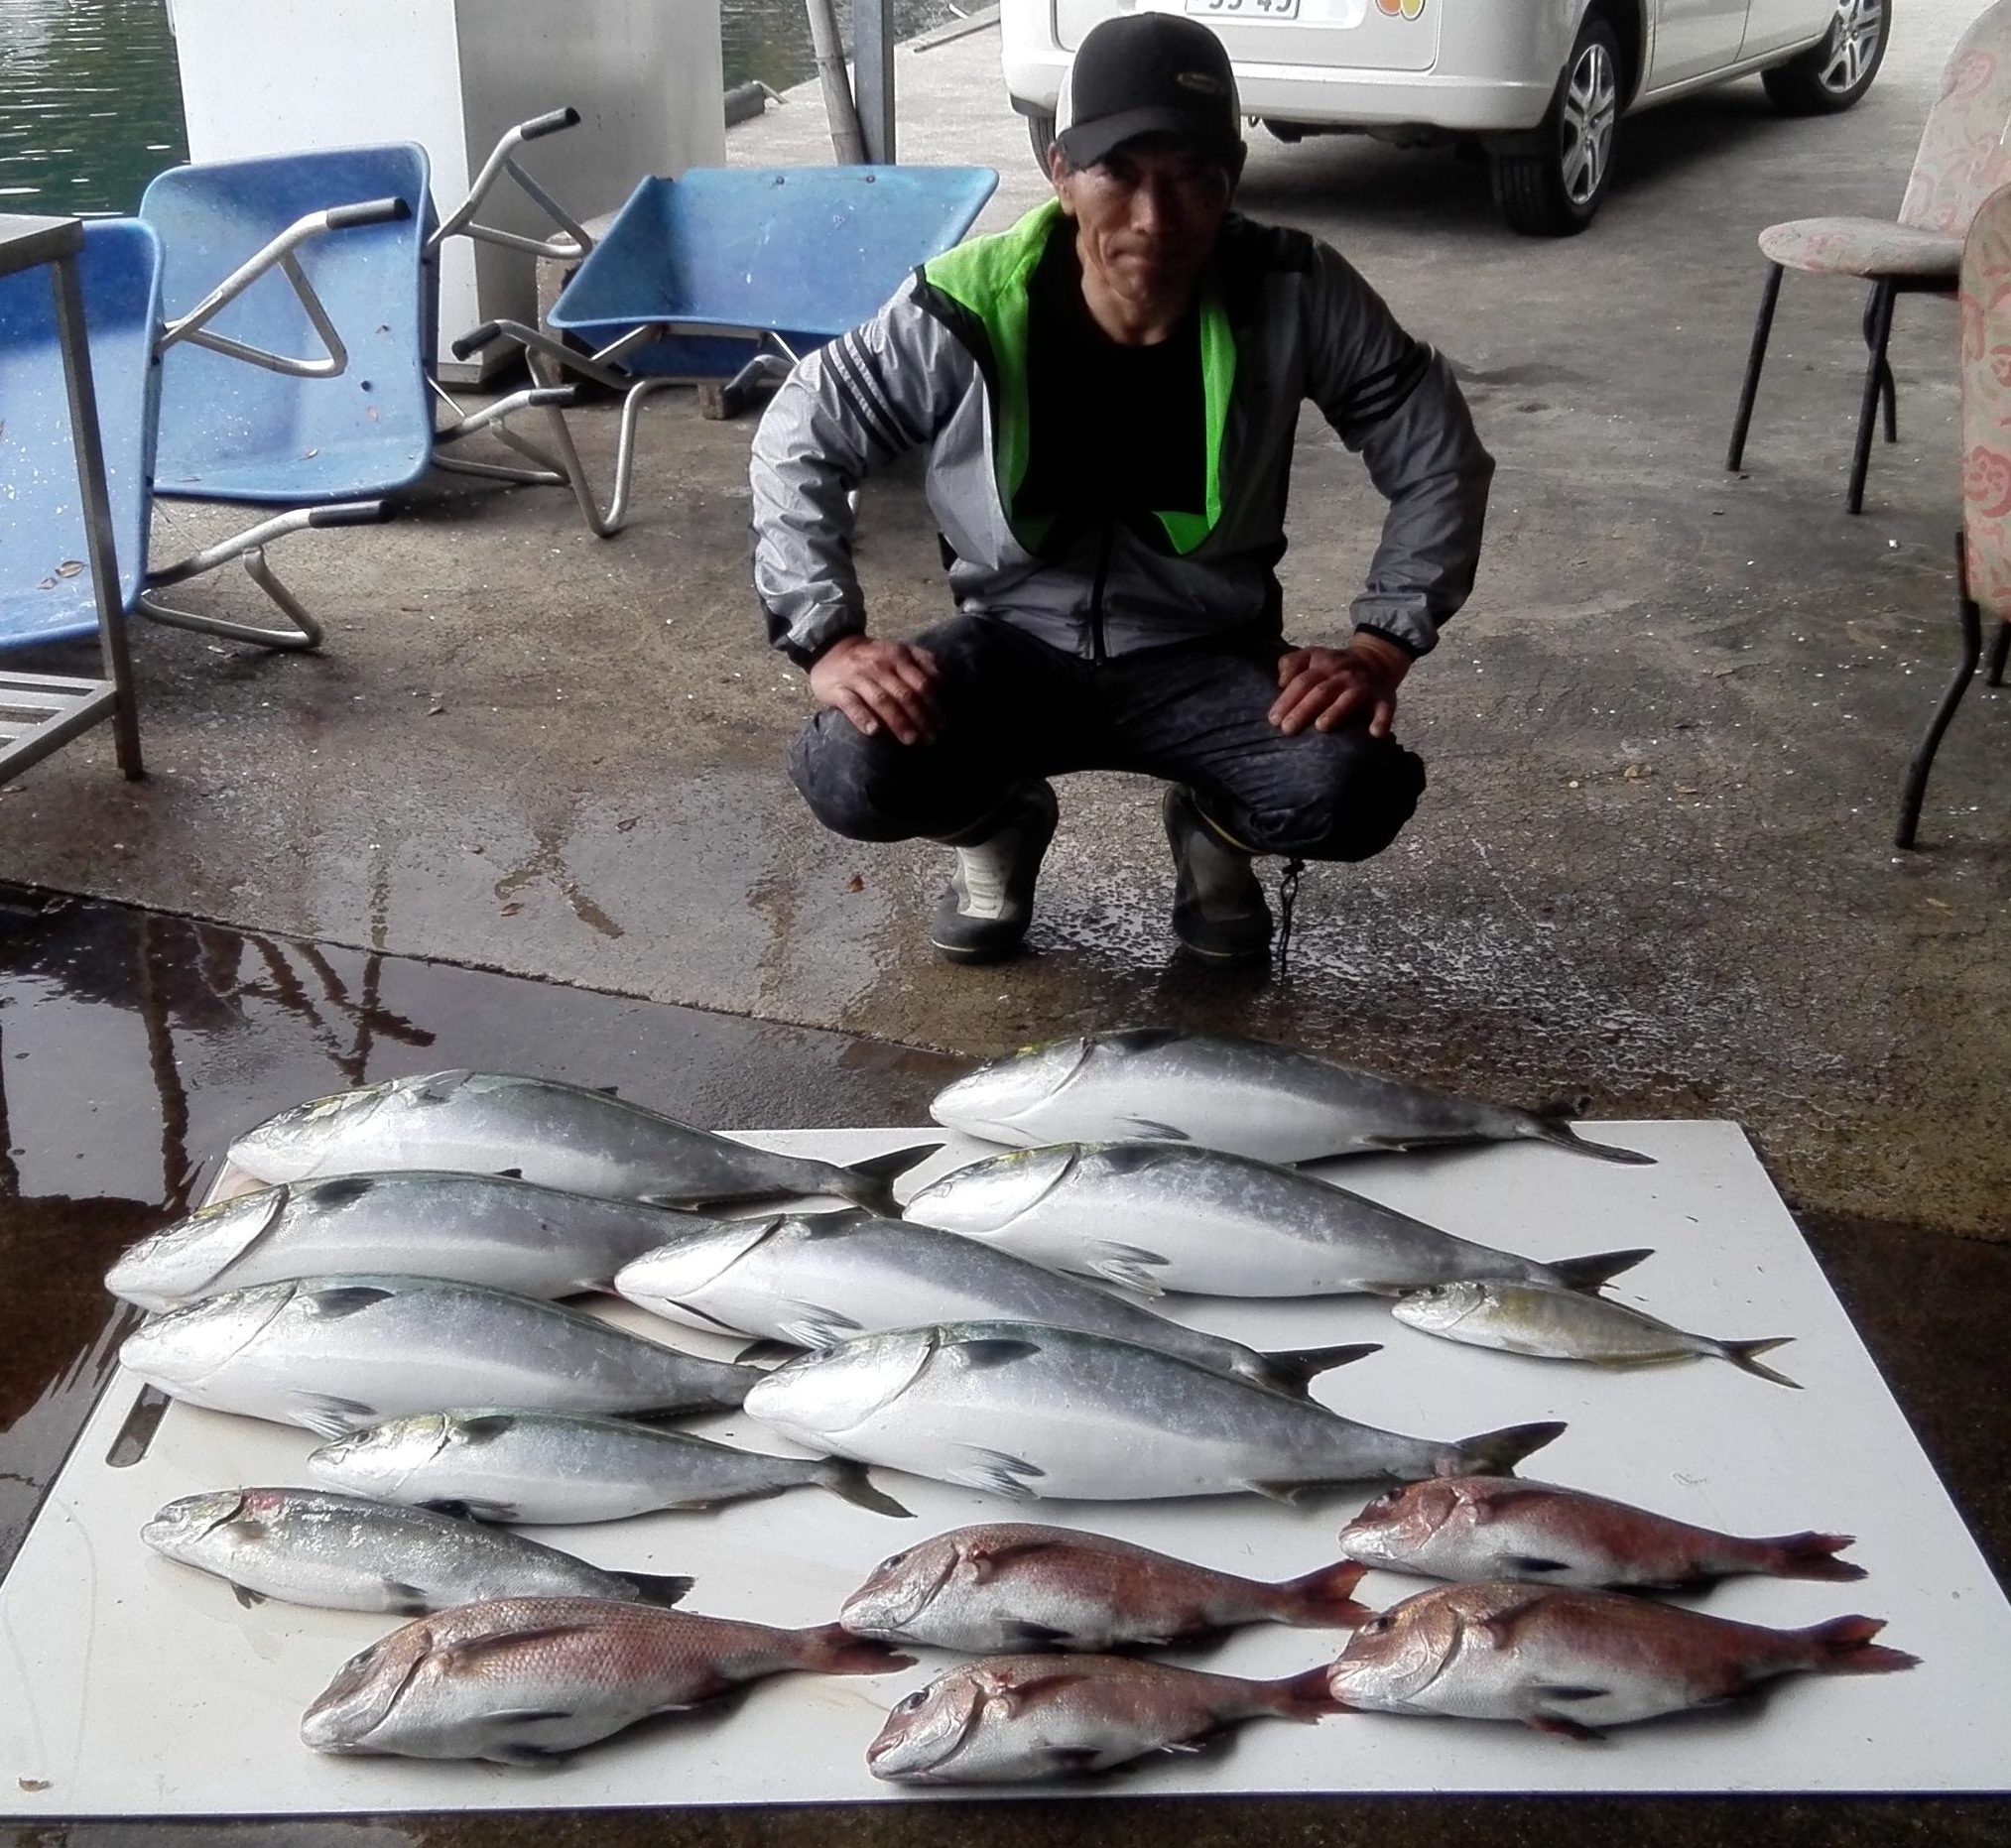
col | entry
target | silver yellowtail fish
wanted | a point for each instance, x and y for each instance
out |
(817, 1281)
(1492, 1527)
(1021, 1409)
(1011, 1585)
(1563, 1324)
(1157, 1216)
(344, 1553)
(1160, 1085)
(539, 1130)
(560, 1468)
(518, 1679)
(1572, 1661)
(1023, 1719)
(336, 1353)
(477, 1228)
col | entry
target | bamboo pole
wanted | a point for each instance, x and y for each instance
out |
(847, 145)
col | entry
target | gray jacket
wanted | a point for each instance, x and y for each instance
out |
(1284, 318)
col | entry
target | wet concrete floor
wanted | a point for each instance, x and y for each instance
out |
(133, 1045)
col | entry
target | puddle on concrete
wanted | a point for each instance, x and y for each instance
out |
(134, 1044)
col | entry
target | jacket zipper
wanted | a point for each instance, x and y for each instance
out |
(1096, 594)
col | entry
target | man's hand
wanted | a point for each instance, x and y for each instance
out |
(1325, 687)
(879, 686)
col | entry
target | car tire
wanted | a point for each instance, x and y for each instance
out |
(1553, 188)
(1041, 135)
(1836, 73)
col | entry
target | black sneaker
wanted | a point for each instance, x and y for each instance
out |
(1218, 908)
(984, 913)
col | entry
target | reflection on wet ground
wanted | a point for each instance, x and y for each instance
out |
(134, 1044)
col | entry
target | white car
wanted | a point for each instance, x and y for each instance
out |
(1540, 84)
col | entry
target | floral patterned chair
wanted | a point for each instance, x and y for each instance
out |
(1965, 156)
(1983, 546)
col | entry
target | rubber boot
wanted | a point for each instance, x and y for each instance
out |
(983, 914)
(1218, 908)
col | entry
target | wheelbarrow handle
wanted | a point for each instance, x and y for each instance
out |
(370, 211)
(477, 338)
(549, 124)
(349, 513)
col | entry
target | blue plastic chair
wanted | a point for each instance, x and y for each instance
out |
(46, 589)
(302, 376)
(735, 273)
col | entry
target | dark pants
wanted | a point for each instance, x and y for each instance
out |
(1012, 708)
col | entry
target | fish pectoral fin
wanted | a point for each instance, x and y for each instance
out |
(511, 1174)
(1071, 1761)
(1286, 1492)
(405, 1600)
(1498, 1631)
(818, 1327)
(986, 1351)
(340, 1299)
(244, 1594)
(984, 1560)
(1519, 1563)
(767, 1353)
(327, 1414)
(995, 1471)
(473, 1509)
(1151, 1131)
(459, 1657)
(1129, 1267)
(1015, 1700)
(485, 1427)
(1557, 1724)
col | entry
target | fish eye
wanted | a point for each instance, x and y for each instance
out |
(891, 1561)
(909, 1703)
(1374, 1627)
(1388, 1498)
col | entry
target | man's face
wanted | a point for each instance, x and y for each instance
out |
(1146, 216)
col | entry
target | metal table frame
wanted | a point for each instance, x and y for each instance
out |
(42, 713)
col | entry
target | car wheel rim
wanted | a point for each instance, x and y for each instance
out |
(1591, 106)
(1853, 42)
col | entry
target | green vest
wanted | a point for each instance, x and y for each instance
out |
(988, 278)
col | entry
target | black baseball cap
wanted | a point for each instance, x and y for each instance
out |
(1151, 74)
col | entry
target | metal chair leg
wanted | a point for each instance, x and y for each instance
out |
(1890, 391)
(1877, 331)
(1755, 359)
(2000, 646)
(1931, 741)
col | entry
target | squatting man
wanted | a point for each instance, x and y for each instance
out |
(1108, 392)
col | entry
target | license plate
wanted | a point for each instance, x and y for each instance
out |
(1244, 9)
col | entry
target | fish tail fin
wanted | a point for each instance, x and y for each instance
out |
(658, 1587)
(1813, 1556)
(1324, 1600)
(831, 1649)
(1552, 1124)
(1742, 1354)
(1843, 1645)
(1600, 1267)
(1293, 1370)
(849, 1481)
(1496, 1453)
(1304, 1696)
(870, 1184)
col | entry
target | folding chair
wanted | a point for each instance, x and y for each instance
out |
(47, 583)
(1984, 546)
(320, 393)
(733, 273)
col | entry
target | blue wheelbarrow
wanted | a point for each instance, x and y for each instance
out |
(731, 274)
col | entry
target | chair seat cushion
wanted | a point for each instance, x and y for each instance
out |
(1864, 247)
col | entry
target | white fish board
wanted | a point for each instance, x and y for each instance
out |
(132, 1686)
